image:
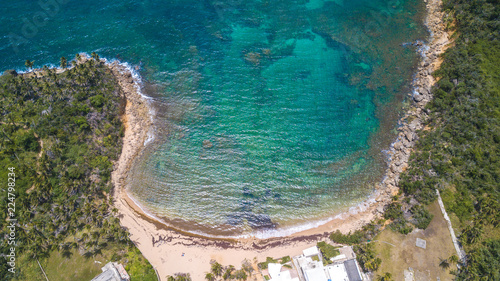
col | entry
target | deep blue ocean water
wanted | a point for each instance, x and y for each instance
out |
(269, 114)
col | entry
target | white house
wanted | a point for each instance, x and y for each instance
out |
(112, 271)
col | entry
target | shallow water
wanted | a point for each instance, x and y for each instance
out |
(269, 114)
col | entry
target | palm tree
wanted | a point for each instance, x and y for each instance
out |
(473, 233)
(209, 277)
(85, 236)
(95, 56)
(454, 259)
(241, 275)
(216, 269)
(228, 273)
(386, 277)
(29, 64)
(444, 263)
(246, 265)
(64, 62)
(78, 57)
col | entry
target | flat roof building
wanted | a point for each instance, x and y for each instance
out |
(277, 274)
(344, 267)
(112, 271)
(337, 272)
(315, 274)
(353, 271)
(313, 251)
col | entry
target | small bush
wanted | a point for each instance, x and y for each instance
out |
(328, 251)
(366, 256)
(285, 259)
(97, 101)
(401, 226)
(393, 211)
(349, 239)
(422, 217)
(263, 265)
(28, 141)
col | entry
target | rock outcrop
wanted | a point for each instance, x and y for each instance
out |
(412, 121)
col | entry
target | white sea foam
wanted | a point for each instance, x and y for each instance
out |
(138, 85)
(278, 232)
(144, 210)
(282, 232)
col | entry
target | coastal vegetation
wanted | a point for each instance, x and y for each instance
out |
(327, 251)
(264, 264)
(220, 272)
(459, 156)
(60, 134)
(457, 151)
(398, 252)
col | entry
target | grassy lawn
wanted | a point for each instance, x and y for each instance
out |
(61, 268)
(79, 268)
(425, 263)
(75, 268)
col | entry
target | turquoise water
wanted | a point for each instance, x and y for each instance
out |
(270, 115)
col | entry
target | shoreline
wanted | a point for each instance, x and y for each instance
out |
(171, 251)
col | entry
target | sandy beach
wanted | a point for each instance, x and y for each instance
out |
(171, 251)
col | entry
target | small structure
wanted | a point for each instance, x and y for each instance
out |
(353, 271)
(315, 274)
(344, 267)
(311, 252)
(277, 274)
(421, 243)
(338, 272)
(338, 258)
(112, 271)
(309, 269)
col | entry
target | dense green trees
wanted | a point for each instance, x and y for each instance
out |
(366, 257)
(29, 64)
(64, 62)
(461, 155)
(61, 133)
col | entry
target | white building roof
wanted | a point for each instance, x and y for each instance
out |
(112, 272)
(274, 270)
(337, 272)
(339, 257)
(311, 251)
(315, 274)
(276, 274)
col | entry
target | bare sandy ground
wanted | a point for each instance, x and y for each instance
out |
(171, 251)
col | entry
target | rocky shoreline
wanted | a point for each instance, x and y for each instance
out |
(137, 121)
(414, 118)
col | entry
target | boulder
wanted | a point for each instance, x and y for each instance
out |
(406, 143)
(409, 135)
(418, 97)
(10, 72)
(207, 144)
(397, 145)
(423, 90)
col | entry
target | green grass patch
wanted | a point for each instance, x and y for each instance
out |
(398, 251)
(263, 265)
(328, 251)
(72, 266)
